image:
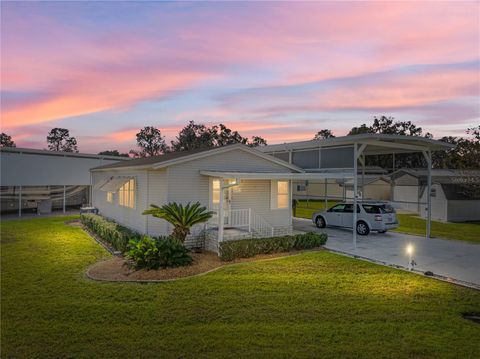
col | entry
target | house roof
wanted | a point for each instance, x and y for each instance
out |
(461, 191)
(145, 161)
(376, 144)
(172, 158)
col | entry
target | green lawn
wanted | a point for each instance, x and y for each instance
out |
(317, 304)
(410, 223)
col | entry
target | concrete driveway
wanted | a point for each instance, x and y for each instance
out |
(453, 259)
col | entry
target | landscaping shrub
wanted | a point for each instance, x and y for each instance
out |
(229, 250)
(160, 252)
(112, 233)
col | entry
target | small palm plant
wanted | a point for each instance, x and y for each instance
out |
(181, 217)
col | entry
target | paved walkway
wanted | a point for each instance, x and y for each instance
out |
(453, 259)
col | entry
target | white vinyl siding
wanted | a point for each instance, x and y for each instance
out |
(128, 217)
(157, 195)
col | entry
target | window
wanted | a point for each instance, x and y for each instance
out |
(349, 208)
(433, 192)
(282, 194)
(216, 191)
(279, 194)
(371, 209)
(110, 197)
(126, 194)
(301, 188)
(337, 208)
(386, 208)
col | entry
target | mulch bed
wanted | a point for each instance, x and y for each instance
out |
(118, 270)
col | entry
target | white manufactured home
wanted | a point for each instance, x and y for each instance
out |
(256, 190)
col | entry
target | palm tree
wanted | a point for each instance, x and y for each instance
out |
(181, 217)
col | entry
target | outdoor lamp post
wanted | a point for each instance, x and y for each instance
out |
(410, 260)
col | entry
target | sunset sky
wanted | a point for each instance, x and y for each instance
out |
(278, 70)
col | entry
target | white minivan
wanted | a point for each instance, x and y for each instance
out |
(371, 216)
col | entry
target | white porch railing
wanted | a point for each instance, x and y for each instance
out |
(238, 218)
(260, 226)
(245, 220)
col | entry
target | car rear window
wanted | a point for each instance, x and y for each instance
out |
(371, 209)
(387, 209)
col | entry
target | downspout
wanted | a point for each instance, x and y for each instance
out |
(428, 157)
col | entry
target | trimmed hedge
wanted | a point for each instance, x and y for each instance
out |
(112, 233)
(153, 253)
(245, 248)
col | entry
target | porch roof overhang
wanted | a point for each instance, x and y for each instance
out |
(112, 184)
(279, 175)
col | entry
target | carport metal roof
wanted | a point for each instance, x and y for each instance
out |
(376, 144)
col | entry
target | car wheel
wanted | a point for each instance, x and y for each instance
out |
(320, 222)
(362, 228)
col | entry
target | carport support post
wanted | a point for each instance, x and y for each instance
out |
(20, 202)
(428, 157)
(362, 160)
(355, 190)
(326, 187)
(64, 199)
(357, 152)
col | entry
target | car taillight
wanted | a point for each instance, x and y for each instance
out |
(378, 217)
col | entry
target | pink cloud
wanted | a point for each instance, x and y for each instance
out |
(377, 91)
(96, 91)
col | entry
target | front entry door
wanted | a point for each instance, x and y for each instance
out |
(227, 204)
(215, 200)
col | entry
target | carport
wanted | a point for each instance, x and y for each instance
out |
(346, 153)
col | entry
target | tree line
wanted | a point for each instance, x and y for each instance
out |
(151, 142)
